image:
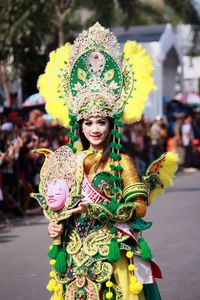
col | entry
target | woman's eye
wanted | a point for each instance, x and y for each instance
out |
(88, 123)
(102, 122)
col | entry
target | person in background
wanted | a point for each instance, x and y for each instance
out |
(158, 134)
(187, 134)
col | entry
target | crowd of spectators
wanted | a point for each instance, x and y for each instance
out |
(19, 166)
(22, 133)
(146, 140)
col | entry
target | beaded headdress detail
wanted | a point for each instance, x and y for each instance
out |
(93, 78)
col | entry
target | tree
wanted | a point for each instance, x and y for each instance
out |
(29, 27)
(62, 11)
(188, 13)
(122, 12)
(140, 12)
(24, 25)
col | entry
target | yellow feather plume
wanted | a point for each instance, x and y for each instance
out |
(142, 68)
(49, 84)
(167, 170)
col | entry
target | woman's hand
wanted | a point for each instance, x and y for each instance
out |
(81, 208)
(55, 229)
(140, 208)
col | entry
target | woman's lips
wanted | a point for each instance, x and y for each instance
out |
(95, 137)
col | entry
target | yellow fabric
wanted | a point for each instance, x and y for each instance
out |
(129, 174)
(122, 278)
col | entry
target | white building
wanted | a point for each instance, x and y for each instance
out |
(161, 42)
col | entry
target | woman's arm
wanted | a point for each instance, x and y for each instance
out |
(133, 189)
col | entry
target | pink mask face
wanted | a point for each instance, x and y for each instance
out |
(57, 194)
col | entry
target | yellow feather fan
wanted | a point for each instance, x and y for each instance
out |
(49, 84)
(160, 173)
(142, 81)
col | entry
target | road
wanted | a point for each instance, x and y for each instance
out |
(174, 239)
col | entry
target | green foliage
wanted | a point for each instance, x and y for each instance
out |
(24, 25)
(34, 27)
(103, 12)
(185, 10)
(20, 21)
(136, 12)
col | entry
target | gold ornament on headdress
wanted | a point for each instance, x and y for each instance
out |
(92, 78)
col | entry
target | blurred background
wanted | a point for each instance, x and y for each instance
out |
(30, 30)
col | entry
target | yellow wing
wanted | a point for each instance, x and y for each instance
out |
(160, 173)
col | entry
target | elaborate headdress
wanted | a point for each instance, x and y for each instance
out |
(93, 77)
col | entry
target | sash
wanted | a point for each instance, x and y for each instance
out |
(91, 194)
(145, 271)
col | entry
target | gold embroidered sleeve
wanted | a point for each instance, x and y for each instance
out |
(134, 190)
(129, 173)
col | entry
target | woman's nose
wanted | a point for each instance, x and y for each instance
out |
(95, 128)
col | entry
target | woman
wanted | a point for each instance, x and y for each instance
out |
(103, 254)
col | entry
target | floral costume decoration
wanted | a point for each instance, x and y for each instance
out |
(93, 78)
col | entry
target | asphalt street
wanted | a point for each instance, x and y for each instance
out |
(174, 239)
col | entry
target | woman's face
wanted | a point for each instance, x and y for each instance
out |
(96, 131)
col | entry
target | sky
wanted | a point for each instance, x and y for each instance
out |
(197, 5)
